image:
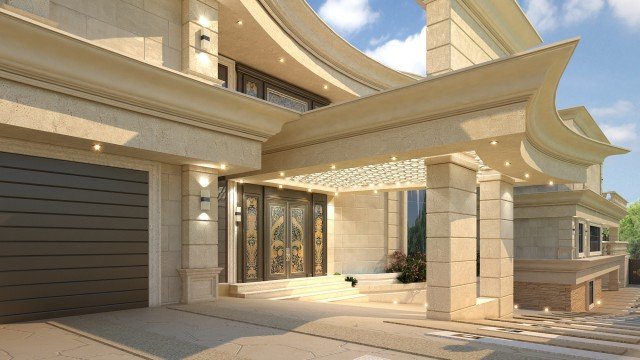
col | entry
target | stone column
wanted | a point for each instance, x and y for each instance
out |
(200, 18)
(451, 235)
(496, 240)
(200, 269)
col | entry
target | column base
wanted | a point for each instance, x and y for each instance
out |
(485, 308)
(199, 285)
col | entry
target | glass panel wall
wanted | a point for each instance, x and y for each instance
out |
(416, 221)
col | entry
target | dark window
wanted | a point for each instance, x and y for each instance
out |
(581, 238)
(594, 240)
(591, 293)
(416, 221)
(223, 74)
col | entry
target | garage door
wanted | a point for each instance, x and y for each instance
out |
(73, 238)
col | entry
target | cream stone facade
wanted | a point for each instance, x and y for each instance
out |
(265, 151)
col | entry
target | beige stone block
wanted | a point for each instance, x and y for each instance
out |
(194, 10)
(439, 60)
(439, 34)
(506, 306)
(467, 46)
(167, 9)
(354, 214)
(459, 60)
(450, 225)
(153, 51)
(496, 229)
(438, 10)
(175, 238)
(196, 178)
(496, 287)
(496, 190)
(199, 232)
(171, 212)
(451, 249)
(69, 20)
(448, 274)
(175, 36)
(448, 175)
(102, 10)
(174, 189)
(200, 63)
(449, 299)
(496, 268)
(114, 38)
(199, 256)
(496, 209)
(36, 7)
(451, 200)
(375, 215)
(496, 248)
(171, 261)
(140, 22)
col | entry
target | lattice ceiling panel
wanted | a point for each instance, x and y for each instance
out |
(393, 173)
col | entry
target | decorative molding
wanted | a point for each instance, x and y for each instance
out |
(81, 68)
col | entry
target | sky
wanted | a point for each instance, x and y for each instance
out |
(603, 75)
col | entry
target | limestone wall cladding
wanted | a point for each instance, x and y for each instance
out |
(394, 223)
(594, 178)
(359, 238)
(171, 233)
(543, 238)
(148, 30)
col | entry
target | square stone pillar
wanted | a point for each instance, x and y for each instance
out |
(200, 18)
(451, 236)
(496, 240)
(200, 269)
(613, 283)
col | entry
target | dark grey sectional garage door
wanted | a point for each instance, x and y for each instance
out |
(73, 238)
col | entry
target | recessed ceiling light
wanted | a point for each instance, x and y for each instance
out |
(96, 147)
(333, 166)
(279, 186)
(336, 193)
(241, 181)
(494, 142)
(326, 87)
(239, 22)
(526, 175)
(393, 158)
(281, 173)
(550, 182)
(281, 60)
(506, 163)
(308, 190)
(223, 166)
(375, 191)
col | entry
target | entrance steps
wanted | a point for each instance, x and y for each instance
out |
(321, 289)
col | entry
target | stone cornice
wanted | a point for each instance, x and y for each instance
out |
(302, 24)
(561, 271)
(46, 57)
(581, 116)
(585, 198)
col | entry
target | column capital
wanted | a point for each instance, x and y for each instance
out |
(458, 159)
(493, 175)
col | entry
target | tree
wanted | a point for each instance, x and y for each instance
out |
(630, 229)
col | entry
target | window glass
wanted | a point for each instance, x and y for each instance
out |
(594, 240)
(591, 293)
(581, 238)
(223, 74)
(416, 221)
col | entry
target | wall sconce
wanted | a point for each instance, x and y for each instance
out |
(205, 40)
(238, 214)
(205, 200)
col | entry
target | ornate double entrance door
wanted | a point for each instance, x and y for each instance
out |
(286, 238)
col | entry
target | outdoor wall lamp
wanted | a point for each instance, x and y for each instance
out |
(238, 214)
(205, 40)
(205, 200)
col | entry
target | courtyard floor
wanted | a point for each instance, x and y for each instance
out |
(261, 329)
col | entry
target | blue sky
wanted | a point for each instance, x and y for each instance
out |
(604, 74)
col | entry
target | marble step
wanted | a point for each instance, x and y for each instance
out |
(295, 290)
(240, 288)
(321, 295)
(359, 298)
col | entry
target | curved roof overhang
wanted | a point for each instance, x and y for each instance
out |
(314, 54)
(585, 122)
(509, 100)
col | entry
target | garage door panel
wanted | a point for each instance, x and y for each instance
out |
(71, 181)
(77, 248)
(70, 312)
(66, 235)
(70, 302)
(70, 262)
(71, 221)
(29, 277)
(23, 292)
(13, 190)
(68, 167)
(74, 238)
(71, 208)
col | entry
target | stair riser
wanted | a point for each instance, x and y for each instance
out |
(328, 295)
(269, 294)
(270, 285)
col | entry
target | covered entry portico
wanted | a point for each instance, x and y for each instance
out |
(490, 127)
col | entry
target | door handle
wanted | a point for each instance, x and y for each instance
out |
(288, 254)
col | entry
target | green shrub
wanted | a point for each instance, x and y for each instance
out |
(353, 280)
